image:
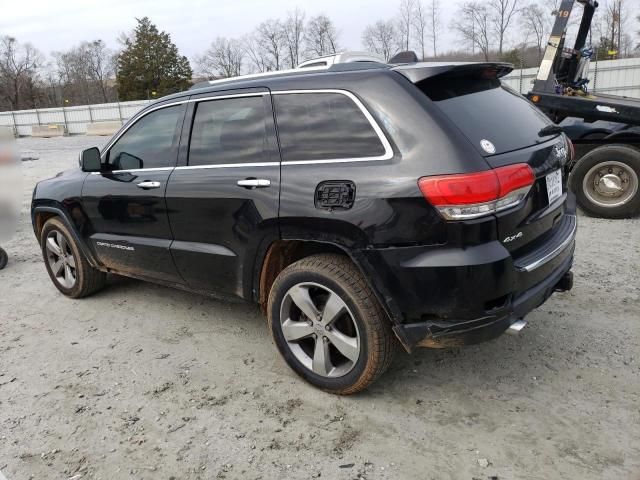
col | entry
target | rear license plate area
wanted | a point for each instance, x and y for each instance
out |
(554, 185)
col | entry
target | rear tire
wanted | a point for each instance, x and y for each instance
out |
(345, 324)
(606, 181)
(68, 268)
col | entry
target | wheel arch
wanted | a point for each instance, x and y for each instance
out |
(42, 213)
(280, 254)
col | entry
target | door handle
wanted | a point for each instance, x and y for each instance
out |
(146, 185)
(254, 183)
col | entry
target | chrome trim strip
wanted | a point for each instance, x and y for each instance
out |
(157, 169)
(335, 160)
(229, 165)
(554, 253)
(388, 151)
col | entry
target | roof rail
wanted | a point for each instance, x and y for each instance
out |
(342, 57)
(258, 75)
(318, 64)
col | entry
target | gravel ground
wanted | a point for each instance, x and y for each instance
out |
(141, 381)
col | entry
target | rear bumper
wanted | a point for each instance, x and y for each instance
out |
(440, 334)
(443, 297)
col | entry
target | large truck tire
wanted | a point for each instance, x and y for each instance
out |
(605, 181)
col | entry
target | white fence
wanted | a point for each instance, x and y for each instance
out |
(74, 119)
(617, 77)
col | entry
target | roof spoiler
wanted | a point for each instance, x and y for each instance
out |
(418, 72)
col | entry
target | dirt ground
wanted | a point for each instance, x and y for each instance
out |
(141, 381)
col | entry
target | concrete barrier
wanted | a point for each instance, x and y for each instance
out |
(103, 128)
(6, 132)
(47, 131)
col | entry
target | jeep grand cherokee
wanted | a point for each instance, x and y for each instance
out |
(361, 205)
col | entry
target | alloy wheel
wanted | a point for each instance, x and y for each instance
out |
(61, 260)
(320, 330)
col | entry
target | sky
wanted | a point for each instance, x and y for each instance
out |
(193, 24)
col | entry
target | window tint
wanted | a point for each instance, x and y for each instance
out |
(319, 126)
(486, 109)
(230, 130)
(150, 143)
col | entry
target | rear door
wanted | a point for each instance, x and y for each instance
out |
(129, 227)
(223, 197)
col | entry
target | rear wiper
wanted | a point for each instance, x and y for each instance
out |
(550, 130)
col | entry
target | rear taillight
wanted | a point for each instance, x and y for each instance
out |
(472, 195)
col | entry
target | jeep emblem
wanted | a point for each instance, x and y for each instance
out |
(487, 146)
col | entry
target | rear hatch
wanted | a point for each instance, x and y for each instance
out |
(505, 129)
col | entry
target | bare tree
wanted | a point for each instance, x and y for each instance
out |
(255, 51)
(473, 24)
(99, 64)
(381, 38)
(19, 64)
(626, 46)
(73, 75)
(405, 21)
(638, 33)
(609, 30)
(435, 23)
(533, 22)
(270, 34)
(502, 12)
(615, 13)
(84, 72)
(222, 59)
(320, 36)
(293, 32)
(426, 24)
(420, 25)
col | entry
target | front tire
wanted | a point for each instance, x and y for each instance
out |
(328, 325)
(68, 268)
(4, 259)
(606, 182)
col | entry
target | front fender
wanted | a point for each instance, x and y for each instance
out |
(54, 209)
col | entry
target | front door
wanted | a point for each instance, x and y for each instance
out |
(129, 226)
(223, 202)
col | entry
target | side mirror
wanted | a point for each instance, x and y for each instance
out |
(90, 160)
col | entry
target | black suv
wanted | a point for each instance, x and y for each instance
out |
(361, 205)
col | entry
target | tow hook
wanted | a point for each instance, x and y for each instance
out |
(565, 284)
(516, 327)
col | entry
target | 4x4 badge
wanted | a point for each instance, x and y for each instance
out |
(487, 146)
(513, 237)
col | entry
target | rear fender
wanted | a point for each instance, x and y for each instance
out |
(321, 244)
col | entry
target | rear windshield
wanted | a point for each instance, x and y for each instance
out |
(484, 109)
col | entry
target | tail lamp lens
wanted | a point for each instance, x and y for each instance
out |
(472, 195)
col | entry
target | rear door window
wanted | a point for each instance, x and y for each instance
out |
(484, 109)
(324, 126)
(229, 131)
